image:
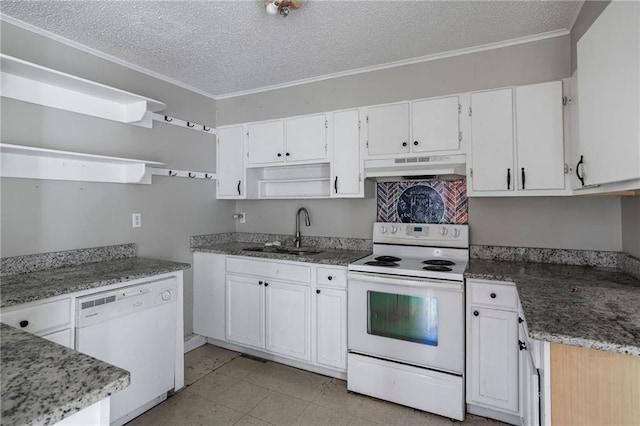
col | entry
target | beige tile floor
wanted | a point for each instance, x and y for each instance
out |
(223, 388)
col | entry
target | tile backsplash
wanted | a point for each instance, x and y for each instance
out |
(423, 202)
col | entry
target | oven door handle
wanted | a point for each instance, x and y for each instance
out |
(405, 281)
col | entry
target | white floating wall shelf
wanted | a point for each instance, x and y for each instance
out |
(36, 84)
(38, 163)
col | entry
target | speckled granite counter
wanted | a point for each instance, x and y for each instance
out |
(42, 382)
(591, 307)
(27, 287)
(326, 256)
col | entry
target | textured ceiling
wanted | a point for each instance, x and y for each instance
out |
(223, 47)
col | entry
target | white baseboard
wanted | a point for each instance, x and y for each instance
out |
(193, 341)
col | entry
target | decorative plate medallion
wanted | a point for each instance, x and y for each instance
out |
(420, 204)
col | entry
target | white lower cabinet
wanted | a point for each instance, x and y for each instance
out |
(209, 283)
(269, 314)
(296, 311)
(331, 327)
(51, 320)
(493, 355)
(288, 319)
(529, 383)
(245, 310)
(494, 358)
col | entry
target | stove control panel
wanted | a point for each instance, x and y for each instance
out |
(421, 234)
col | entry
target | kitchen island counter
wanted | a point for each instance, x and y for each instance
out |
(591, 307)
(42, 382)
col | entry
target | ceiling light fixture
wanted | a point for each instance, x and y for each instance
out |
(284, 7)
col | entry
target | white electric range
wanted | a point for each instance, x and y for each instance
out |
(406, 317)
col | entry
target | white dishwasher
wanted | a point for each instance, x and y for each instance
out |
(133, 328)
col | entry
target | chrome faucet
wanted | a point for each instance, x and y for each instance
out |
(307, 222)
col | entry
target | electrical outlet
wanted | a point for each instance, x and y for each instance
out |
(136, 219)
(243, 217)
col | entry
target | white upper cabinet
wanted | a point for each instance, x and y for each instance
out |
(539, 136)
(609, 91)
(388, 130)
(424, 126)
(346, 167)
(492, 140)
(517, 142)
(435, 125)
(265, 142)
(305, 138)
(297, 140)
(231, 180)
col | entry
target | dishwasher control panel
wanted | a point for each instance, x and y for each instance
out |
(109, 304)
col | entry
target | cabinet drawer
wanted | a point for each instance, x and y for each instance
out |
(334, 277)
(268, 269)
(496, 294)
(40, 317)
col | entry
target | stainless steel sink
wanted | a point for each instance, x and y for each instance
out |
(302, 252)
(296, 251)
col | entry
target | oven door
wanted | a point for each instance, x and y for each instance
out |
(412, 320)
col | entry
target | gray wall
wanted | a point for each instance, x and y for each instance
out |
(631, 225)
(42, 216)
(589, 13)
(579, 223)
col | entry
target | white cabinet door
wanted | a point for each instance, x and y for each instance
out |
(265, 142)
(493, 351)
(436, 125)
(209, 304)
(230, 162)
(492, 140)
(539, 130)
(529, 386)
(305, 138)
(245, 310)
(331, 327)
(388, 129)
(346, 167)
(288, 319)
(609, 90)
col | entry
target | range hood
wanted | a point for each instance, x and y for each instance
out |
(442, 166)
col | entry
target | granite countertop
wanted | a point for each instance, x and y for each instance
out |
(42, 382)
(326, 256)
(27, 287)
(592, 307)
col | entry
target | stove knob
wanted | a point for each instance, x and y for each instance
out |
(444, 231)
(394, 229)
(456, 232)
(383, 229)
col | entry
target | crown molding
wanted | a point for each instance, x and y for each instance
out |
(404, 62)
(412, 61)
(65, 41)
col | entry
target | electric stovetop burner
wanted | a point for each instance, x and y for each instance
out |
(438, 268)
(439, 262)
(388, 259)
(382, 263)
